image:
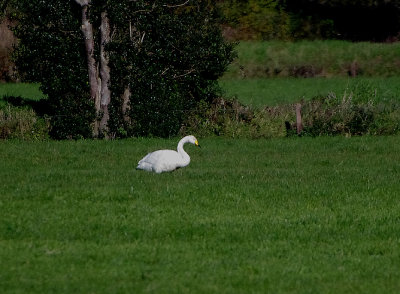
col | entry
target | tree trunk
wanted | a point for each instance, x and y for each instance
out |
(104, 73)
(94, 81)
(125, 105)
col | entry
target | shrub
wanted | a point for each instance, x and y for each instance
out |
(322, 116)
(169, 55)
(350, 115)
(22, 123)
(221, 118)
(331, 116)
(232, 119)
(387, 119)
(255, 20)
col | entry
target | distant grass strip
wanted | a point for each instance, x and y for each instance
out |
(271, 92)
(315, 58)
(302, 215)
(24, 90)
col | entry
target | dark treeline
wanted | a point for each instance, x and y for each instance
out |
(355, 20)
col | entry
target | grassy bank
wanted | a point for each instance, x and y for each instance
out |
(280, 216)
(315, 59)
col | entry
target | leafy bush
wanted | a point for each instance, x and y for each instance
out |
(174, 63)
(255, 20)
(232, 119)
(331, 116)
(22, 123)
(350, 115)
(169, 55)
(221, 118)
(71, 117)
(354, 20)
(387, 121)
(51, 52)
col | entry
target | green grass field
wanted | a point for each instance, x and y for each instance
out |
(327, 58)
(259, 92)
(246, 216)
(289, 215)
(25, 90)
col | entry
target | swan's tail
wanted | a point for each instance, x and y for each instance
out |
(144, 166)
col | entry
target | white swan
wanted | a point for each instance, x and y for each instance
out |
(167, 160)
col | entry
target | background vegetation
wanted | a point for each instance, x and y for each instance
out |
(159, 53)
(360, 20)
(165, 113)
(367, 103)
(305, 59)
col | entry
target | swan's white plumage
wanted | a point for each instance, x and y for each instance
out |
(167, 160)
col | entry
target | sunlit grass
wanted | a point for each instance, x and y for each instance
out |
(25, 90)
(261, 92)
(246, 216)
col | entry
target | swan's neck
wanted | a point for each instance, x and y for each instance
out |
(185, 156)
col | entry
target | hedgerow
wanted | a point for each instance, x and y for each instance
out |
(331, 115)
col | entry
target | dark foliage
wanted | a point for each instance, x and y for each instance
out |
(356, 20)
(40, 107)
(329, 116)
(172, 60)
(169, 53)
(51, 52)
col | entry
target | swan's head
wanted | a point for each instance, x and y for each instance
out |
(193, 140)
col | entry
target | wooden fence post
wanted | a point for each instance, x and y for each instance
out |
(299, 122)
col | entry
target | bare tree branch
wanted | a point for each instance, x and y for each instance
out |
(142, 38)
(188, 72)
(176, 5)
(164, 71)
(145, 10)
(142, 10)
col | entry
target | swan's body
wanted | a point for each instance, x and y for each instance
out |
(167, 160)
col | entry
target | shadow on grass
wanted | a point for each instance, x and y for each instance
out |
(40, 107)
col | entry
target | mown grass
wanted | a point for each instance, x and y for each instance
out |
(318, 58)
(246, 216)
(260, 92)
